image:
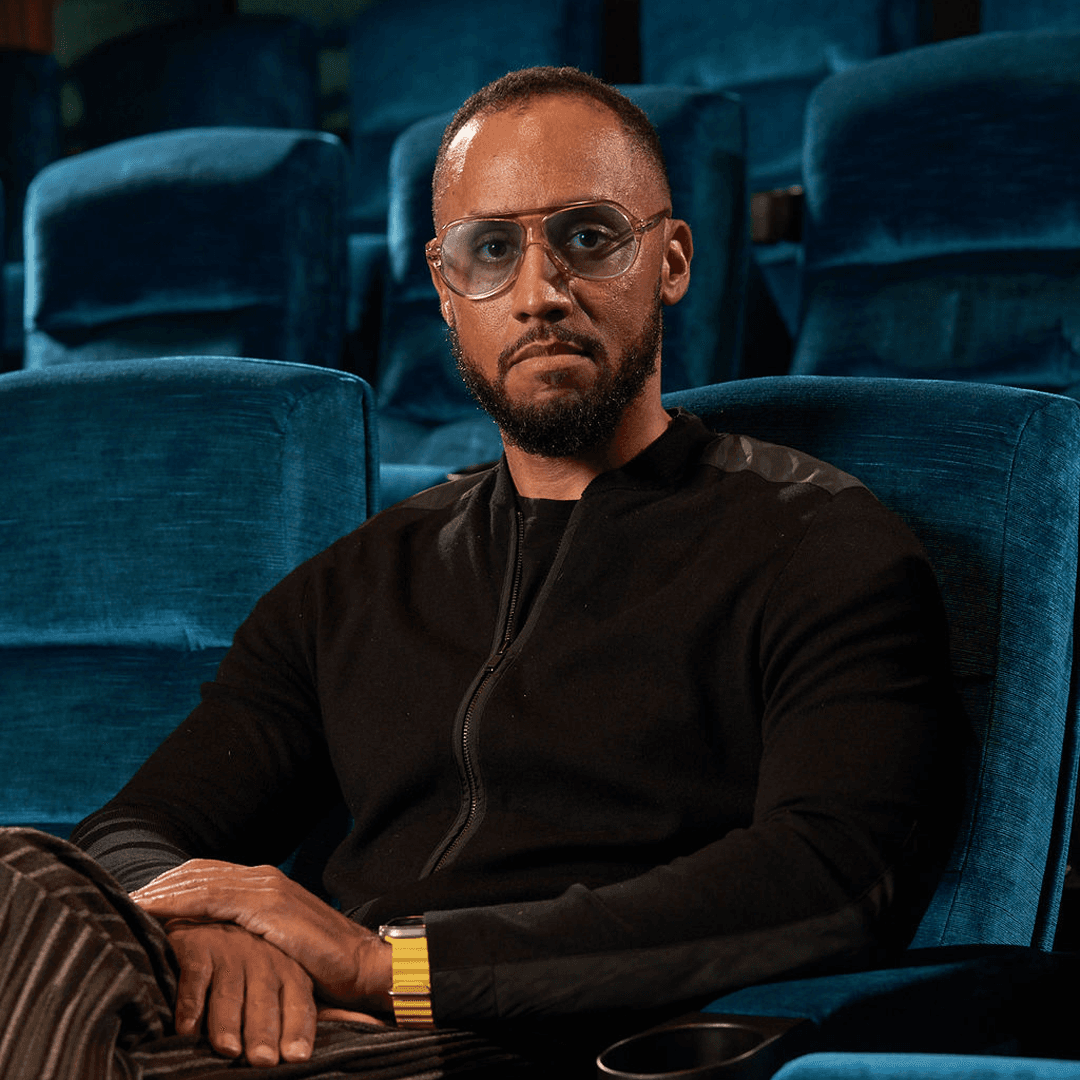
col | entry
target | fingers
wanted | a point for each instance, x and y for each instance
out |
(209, 889)
(348, 963)
(196, 973)
(298, 1017)
(256, 1001)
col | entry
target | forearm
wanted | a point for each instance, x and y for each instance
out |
(132, 847)
(717, 920)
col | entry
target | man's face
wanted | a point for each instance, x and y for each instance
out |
(556, 359)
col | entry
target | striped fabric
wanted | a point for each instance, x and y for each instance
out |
(87, 981)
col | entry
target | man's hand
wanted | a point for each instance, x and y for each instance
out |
(254, 998)
(348, 964)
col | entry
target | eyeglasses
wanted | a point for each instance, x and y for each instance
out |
(480, 256)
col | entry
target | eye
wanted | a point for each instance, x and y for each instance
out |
(589, 238)
(493, 246)
(592, 233)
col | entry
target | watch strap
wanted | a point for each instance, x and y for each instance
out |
(410, 990)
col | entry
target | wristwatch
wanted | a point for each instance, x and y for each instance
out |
(410, 990)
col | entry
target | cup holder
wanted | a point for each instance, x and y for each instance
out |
(703, 1048)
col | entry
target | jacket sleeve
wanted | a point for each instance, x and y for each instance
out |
(856, 804)
(245, 777)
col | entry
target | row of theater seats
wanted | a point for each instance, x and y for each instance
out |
(413, 58)
(149, 502)
(233, 241)
(941, 241)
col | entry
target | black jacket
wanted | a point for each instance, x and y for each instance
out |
(712, 748)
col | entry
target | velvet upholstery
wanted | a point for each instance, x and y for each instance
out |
(841, 1066)
(409, 59)
(214, 241)
(772, 55)
(29, 131)
(942, 235)
(427, 416)
(148, 504)
(254, 71)
(988, 477)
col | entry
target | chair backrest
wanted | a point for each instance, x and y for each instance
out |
(941, 234)
(702, 136)
(772, 55)
(414, 58)
(147, 505)
(210, 241)
(988, 477)
(249, 71)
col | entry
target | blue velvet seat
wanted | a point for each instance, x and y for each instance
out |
(409, 59)
(942, 234)
(146, 505)
(840, 1066)
(772, 55)
(429, 423)
(214, 241)
(989, 478)
(253, 71)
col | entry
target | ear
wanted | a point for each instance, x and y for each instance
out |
(675, 272)
(446, 305)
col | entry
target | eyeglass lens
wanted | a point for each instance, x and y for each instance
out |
(591, 241)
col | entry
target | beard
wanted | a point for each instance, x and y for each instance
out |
(576, 423)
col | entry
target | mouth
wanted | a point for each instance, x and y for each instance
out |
(547, 348)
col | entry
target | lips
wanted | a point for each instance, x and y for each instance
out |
(546, 348)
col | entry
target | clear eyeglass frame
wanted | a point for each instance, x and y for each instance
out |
(533, 223)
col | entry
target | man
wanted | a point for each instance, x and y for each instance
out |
(640, 715)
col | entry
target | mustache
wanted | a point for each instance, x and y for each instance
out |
(585, 342)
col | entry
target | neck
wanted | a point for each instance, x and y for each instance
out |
(538, 477)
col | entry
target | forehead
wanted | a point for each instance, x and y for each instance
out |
(546, 152)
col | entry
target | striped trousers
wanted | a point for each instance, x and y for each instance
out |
(88, 981)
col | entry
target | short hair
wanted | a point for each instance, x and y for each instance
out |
(519, 87)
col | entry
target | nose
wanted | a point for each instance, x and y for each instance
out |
(541, 290)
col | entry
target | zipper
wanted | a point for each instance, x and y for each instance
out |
(489, 671)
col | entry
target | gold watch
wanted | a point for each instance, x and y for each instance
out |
(410, 990)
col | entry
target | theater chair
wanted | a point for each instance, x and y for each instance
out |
(429, 425)
(209, 241)
(410, 59)
(772, 55)
(926, 1067)
(942, 238)
(251, 71)
(146, 505)
(988, 477)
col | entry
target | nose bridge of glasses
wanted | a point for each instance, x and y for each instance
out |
(549, 267)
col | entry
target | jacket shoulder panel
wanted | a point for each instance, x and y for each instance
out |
(776, 464)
